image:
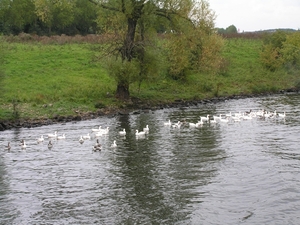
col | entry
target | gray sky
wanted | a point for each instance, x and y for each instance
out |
(254, 15)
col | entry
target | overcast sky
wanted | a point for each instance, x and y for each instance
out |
(253, 15)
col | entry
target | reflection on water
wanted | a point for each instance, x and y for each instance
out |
(225, 173)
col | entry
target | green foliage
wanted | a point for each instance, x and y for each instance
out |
(231, 29)
(122, 70)
(281, 49)
(291, 50)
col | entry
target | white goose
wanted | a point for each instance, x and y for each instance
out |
(81, 140)
(282, 115)
(192, 124)
(168, 123)
(205, 118)
(146, 129)
(199, 123)
(52, 135)
(213, 120)
(104, 131)
(23, 145)
(177, 125)
(86, 136)
(141, 133)
(61, 137)
(122, 132)
(224, 120)
(41, 139)
(114, 144)
(96, 129)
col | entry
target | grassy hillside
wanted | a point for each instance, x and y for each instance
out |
(42, 80)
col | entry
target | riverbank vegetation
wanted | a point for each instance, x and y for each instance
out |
(145, 52)
(63, 75)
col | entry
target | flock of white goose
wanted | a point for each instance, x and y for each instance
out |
(98, 132)
(95, 132)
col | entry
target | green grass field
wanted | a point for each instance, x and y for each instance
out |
(67, 77)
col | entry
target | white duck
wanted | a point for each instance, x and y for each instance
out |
(41, 139)
(81, 140)
(168, 123)
(146, 129)
(114, 144)
(23, 145)
(177, 125)
(122, 132)
(204, 118)
(96, 129)
(281, 115)
(52, 135)
(141, 133)
(86, 136)
(61, 137)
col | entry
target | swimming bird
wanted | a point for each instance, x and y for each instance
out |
(21, 142)
(205, 118)
(146, 129)
(86, 136)
(52, 135)
(96, 129)
(122, 132)
(177, 125)
(168, 123)
(97, 146)
(192, 124)
(23, 145)
(141, 133)
(224, 120)
(50, 145)
(98, 134)
(81, 140)
(199, 123)
(282, 115)
(41, 139)
(61, 137)
(105, 131)
(114, 144)
(213, 120)
(8, 147)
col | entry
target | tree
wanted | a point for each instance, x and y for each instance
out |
(58, 13)
(134, 25)
(231, 30)
(16, 15)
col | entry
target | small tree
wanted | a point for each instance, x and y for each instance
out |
(133, 24)
(231, 30)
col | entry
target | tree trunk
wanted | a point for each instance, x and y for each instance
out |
(127, 54)
(127, 50)
(122, 91)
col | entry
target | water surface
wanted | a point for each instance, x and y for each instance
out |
(237, 173)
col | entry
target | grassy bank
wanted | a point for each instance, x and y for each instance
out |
(42, 80)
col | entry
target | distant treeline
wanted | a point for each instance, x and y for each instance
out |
(48, 17)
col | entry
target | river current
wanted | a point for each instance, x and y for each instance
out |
(243, 172)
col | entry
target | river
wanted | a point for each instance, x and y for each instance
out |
(244, 172)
